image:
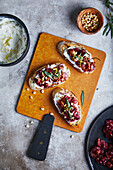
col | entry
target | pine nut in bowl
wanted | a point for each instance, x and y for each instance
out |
(90, 21)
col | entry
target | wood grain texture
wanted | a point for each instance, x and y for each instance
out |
(46, 53)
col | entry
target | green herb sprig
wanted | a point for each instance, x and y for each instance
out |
(109, 26)
(50, 75)
(69, 106)
(82, 97)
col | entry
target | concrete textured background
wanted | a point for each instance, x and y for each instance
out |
(58, 18)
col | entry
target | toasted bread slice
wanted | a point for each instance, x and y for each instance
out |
(49, 76)
(67, 105)
(77, 55)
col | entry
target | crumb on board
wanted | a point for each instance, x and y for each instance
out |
(42, 108)
(51, 113)
(30, 97)
(42, 91)
(34, 92)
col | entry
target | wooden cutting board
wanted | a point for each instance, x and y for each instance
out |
(46, 53)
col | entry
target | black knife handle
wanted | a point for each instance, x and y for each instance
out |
(39, 146)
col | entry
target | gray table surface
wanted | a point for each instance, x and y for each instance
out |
(58, 18)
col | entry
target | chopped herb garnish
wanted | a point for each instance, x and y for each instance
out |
(67, 102)
(80, 57)
(54, 75)
(59, 73)
(69, 111)
(48, 74)
(76, 56)
(69, 107)
(56, 70)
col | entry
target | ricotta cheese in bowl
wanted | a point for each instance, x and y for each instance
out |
(14, 40)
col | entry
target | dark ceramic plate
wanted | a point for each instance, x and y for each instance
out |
(96, 132)
(27, 35)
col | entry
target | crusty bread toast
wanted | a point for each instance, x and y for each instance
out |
(72, 117)
(81, 59)
(60, 76)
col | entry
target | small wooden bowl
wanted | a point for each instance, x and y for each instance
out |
(93, 11)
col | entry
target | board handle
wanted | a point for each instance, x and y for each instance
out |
(39, 145)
